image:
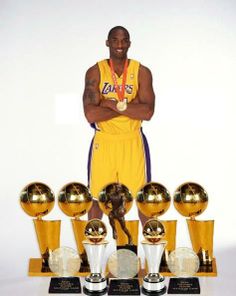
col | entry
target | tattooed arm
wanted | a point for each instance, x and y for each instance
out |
(92, 98)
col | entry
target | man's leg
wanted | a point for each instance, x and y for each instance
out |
(100, 172)
(135, 170)
(142, 218)
(95, 211)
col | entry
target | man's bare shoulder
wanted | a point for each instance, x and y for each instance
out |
(93, 71)
(144, 70)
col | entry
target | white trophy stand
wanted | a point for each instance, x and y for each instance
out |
(153, 282)
(95, 283)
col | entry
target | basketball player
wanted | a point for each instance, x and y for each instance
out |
(118, 96)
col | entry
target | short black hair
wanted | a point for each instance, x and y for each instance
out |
(118, 28)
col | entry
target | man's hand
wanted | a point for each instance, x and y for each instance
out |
(108, 103)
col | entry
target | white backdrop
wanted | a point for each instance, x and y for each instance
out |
(45, 49)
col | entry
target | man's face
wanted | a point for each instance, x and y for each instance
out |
(118, 44)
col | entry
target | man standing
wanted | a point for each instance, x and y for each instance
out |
(118, 96)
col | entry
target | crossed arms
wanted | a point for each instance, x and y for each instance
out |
(96, 109)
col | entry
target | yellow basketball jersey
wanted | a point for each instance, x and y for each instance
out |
(120, 124)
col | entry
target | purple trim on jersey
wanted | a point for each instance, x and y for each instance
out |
(147, 157)
(94, 126)
(89, 161)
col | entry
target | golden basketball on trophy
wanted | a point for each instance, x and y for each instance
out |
(37, 200)
(75, 200)
(153, 200)
(153, 230)
(191, 200)
(95, 231)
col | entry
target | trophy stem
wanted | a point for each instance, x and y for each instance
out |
(170, 237)
(153, 281)
(95, 283)
(48, 235)
(79, 229)
(201, 235)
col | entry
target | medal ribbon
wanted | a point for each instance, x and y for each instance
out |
(120, 92)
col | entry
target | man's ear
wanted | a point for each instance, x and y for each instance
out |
(107, 43)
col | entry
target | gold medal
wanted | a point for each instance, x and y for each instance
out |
(121, 106)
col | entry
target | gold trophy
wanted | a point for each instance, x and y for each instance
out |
(153, 200)
(75, 200)
(153, 245)
(115, 200)
(94, 244)
(37, 200)
(190, 200)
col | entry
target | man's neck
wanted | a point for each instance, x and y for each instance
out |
(118, 62)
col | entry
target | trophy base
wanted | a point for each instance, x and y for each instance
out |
(36, 269)
(184, 286)
(204, 270)
(154, 285)
(95, 288)
(65, 285)
(124, 287)
(156, 293)
(93, 293)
